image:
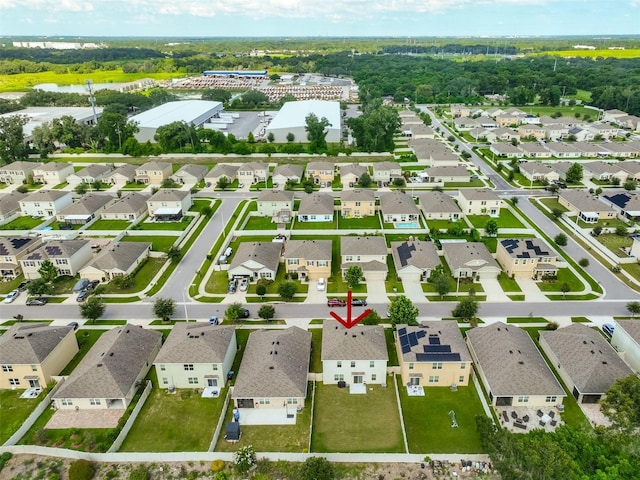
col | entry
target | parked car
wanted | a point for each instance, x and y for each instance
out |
(358, 302)
(11, 296)
(607, 328)
(80, 285)
(336, 302)
(214, 321)
(322, 285)
(93, 284)
(37, 302)
(244, 284)
(244, 313)
(23, 285)
(82, 296)
(73, 325)
(233, 286)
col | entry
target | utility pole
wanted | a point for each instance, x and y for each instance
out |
(93, 101)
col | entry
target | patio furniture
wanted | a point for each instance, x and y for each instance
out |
(520, 425)
(514, 415)
(553, 423)
(505, 416)
(541, 423)
(525, 419)
(539, 413)
(552, 414)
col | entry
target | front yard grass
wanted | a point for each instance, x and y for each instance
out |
(427, 420)
(508, 284)
(15, 411)
(179, 422)
(505, 220)
(110, 225)
(553, 203)
(564, 276)
(340, 422)
(364, 223)
(158, 243)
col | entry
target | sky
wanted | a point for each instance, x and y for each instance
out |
(317, 18)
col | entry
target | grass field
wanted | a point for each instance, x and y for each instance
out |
(158, 243)
(22, 223)
(15, 410)
(615, 242)
(564, 276)
(506, 220)
(604, 53)
(109, 225)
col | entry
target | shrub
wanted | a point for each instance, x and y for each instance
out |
(81, 470)
(139, 473)
(217, 465)
(584, 262)
(4, 458)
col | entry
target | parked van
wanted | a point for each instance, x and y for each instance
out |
(81, 285)
(222, 260)
(607, 328)
(228, 252)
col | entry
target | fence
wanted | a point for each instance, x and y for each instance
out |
(223, 414)
(115, 446)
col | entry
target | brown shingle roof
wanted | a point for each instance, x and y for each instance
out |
(362, 342)
(30, 343)
(197, 342)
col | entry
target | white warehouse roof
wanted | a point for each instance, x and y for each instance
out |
(293, 114)
(189, 111)
(38, 115)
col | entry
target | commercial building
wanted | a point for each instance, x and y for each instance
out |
(292, 119)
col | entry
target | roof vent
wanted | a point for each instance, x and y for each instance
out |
(511, 352)
(592, 352)
(604, 363)
(111, 354)
(354, 335)
(271, 367)
(584, 341)
(99, 364)
(521, 362)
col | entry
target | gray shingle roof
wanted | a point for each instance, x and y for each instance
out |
(632, 327)
(479, 194)
(362, 342)
(447, 332)
(447, 171)
(422, 255)
(153, 166)
(130, 203)
(169, 195)
(436, 202)
(45, 196)
(396, 202)
(87, 205)
(266, 254)
(308, 249)
(32, 343)
(385, 166)
(9, 202)
(316, 204)
(288, 170)
(128, 171)
(472, 255)
(587, 358)
(320, 166)
(94, 170)
(584, 201)
(511, 362)
(357, 245)
(111, 367)
(19, 166)
(357, 196)
(57, 249)
(352, 168)
(275, 364)
(192, 169)
(11, 246)
(120, 256)
(223, 170)
(275, 196)
(197, 342)
(53, 167)
(252, 166)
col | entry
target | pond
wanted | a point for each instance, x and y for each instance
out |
(54, 87)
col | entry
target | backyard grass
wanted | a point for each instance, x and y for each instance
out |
(179, 422)
(440, 224)
(340, 422)
(505, 220)
(508, 284)
(22, 223)
(564, 276)
(109, 225)
(165, 226)
(86, 339)
(605, 223)
(391, 348)
(261, 223)
(317, 225)
(15, 411)
(316, 350)
(632, 269)
(158, 243)
(552, 204)
(364, 223)
(427, 419)
(615, 243)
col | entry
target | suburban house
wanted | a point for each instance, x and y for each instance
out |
(110, 374)
(219, 171)
(350, 174)
(586, 205)
(10, 206)
(121, 175)
(584, 360)
(17, 172)
(562, 168)
(527, 258)
(482, 134)
(277, 204)
(255, 260)
(589, 149)
(322, 173)
(131, 207)
(538, 172)
(45, 203)
(12, 250)
(285, 173)
(439, 206)
(628, 204)
(414, 260)
(633, 169)
(96, 172)
(196, 355)
(68, 256)
(32, 353)
(507, 119)
(604, 171)
(470, 260)
(580, 134)
(479, 201)
(356, 356)
(532, 131)
(357, 203)
(52, 173)
(564, 150)
(620, 150)
(169, 204)
(535, 150)
(85, 209)
(432, 354)
(398, 207)
(316, 207)
(459, 110)
(506, 150)
(613, 115)
(626, 340)
(556, 132)
(506, 134)
(385, 172)
(420, 130)
(153, 173)
(116, 260)
(511, 368)
(189, 174)
(603, 130)
(446, 174)
(368, 253)
(309, 259)
(273, 376)
(465, 123)
(253, 172)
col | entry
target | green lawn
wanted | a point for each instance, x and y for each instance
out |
(526, 320)
(110, 225)
(177, 226)
(317, 225)
(261, 223)
(506, 220)
(564, 276)
(391, 347)
(608, 223)
(552, 204)
(316, 350)
(428, 423)
(347, 423)
(63, 285)
(371, 222)
(22, 223)
(15, 411)
(6, 287)
(508, 284)
(615, 242)
(134, 186)
(142, 277)
(158, 243)
(179, 422)
(440, 224)
(473, 183)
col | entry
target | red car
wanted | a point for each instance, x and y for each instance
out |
(336, 302)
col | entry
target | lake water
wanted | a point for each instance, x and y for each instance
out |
(53, 87)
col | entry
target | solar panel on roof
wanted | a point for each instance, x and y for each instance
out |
(413, 340)
(406, 349)
(404, 253)
(509, 244)
(18, 243)
(404, 340)
(402, 331)
(434, 341)
(436, 348)
(420, 333)
(53, 250)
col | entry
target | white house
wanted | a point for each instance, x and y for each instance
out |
(45, 203)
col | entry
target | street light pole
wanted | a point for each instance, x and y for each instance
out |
(184, 302)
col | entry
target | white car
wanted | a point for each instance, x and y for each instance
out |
(11, 296)
(321, 285)
(244, 284)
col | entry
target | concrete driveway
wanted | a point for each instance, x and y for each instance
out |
(314, 295)
(413, 291)
(377, 292)
(531, 291)
(493, 290)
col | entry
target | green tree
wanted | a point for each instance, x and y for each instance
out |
(317, 468)
(583, 262)
(353, 276)
(316, 132)
(267, 312)
(597, 230)
(514, 200)
(206, 211)
(442, 283)
(48, 271)
(12, 142)
(233, 312)
(491, 228)
(169, 183)
(399, 182)
(574, 173)
(402, 310)
(38, 286)
(81, 470)
(565, 288)
(561, 240)
(365, 180)
(261, 290)
(92, 308)
(466, 309)
(217, 95)
(373, 131)
(557, 213)
(82, 188)
(621, 231)
(287, 290)
(290, 137)
(174, 254)
(223, 183)
(621, 403)
(164, 308)
(633, 308)
(630, 184)
(271, 137)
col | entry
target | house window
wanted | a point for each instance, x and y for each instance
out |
(348, 258)
(188, 366)
(165, 381)
(7, 368)
(264, 401)
(215, 367)
(293, 261)
(353, 363)
(357, 204)
(292, 401)
(373, 377)
(372, 364)
(463, 366)
(524, 261)
(551, 399)
(14, 381)
(162, 368)
(339, 364)
(338, 377)
(523, 399)
(434, 379)
(411, 366)
(311, 263)
(193, 380)
(66, 402)
(516, 261)
(461, 379)
(437, 365)
(323, 263)
(94, 401)
(34, 368)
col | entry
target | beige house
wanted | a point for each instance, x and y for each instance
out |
(587, 206)
(85, 209)
(439, 206)
(432, 354)
(153, 173)
(32, 353)
(535, 150)
(459, 110)
(538, 171)
(277, 204)
(17, 172)
(357, 203)
(45, 203)
(414, 260)
(584, 359)
(479, 201)
(527, 258)
(350, 174)
(273, 376)
(96, 172)
(506, 150)
(511, 368)
(532, 131)
(626, 340)
(398, 207)
(130, 207)
(316, 207)
(116, 260)
(121, 175)
(322, 173)
(310, 259)
(255, 260)
(68, 256)
(221, 170)
(12, 250)
(169, 204)
(470, 260)
(446, 174)
(385, 172)
(253, 172)
(10, 206)
(109, 375)
(52, 173)
(285, 173)
(196, 355)
(368, 253)
(189, 174)
(357, 356)
(604, 171)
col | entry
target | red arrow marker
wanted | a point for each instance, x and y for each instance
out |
(350, 322)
